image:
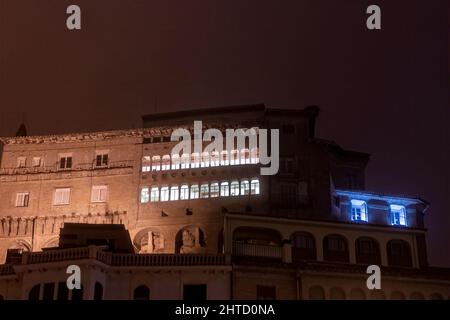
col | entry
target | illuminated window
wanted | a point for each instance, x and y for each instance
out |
(254, 186)
(194, 191)
(398, 215)
(146, 164)
(254, 155)
(156, 163)
(245, 156)
(175, 162)
(185, 161)
(165, 163)
(62, 196)
(245, 187)
(224, 158)
(98, 193)
(214, 190)
(215, 158)
(205, 159)
(184, 192)
(22, 199)
(204, 191)
(144, 195)
(154, 194)
(234, 157)
(195, 160)
(164, 196)
(234, 188)
(174, 193)
(358, 210)
(224, 189)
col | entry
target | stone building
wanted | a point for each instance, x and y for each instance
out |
(207, 222)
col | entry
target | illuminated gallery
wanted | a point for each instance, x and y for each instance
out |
(143, 224)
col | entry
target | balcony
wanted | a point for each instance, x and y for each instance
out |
(257, 250)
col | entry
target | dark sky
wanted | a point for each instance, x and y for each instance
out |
(383, 92)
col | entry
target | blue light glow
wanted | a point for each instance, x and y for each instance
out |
(398, 215)
(359, 210)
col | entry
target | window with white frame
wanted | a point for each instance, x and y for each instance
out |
(185, 161)
(21, 162)
(224, 161)
(234, 188)
(184, 192)
(245, 187)
(254, 186)
(154, 194)
(144, 195)
(358, 210)
(62, 196)
(194, 191)
(215, 159)
(65, 161)
(224, 189)
(22, 199)
(174, 193)
(204, 190)
(214, 190)
(37, 162)
(146, 164)
(165, 163)
(156, 163)
(98, 193)
(398, 215)
(164, 195)
(101, 159)
(175, 162)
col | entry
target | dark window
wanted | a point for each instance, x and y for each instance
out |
(399, 253)
(288, 193)
(34, 292)
(166, 139)
(194, 292)
(49, 291)
(77, 294)
(98, 291)
(141, 293)
(101, 160)
(337, 201)
(303, 246)
(266, 293)
(157, 139)
(288, 129)
(63, 291)
(65, 163)
(367, 251)
(335, 248)
(147, 140)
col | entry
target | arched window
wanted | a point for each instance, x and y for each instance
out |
(175, 162)
(215, 158)
(141, 293)
(34, 292)
(185, 161)
(156, 163)
(303, 246)
(214, 190)
(224, 189)
(144, 195)
(245, 187)
(224, 161)
(399, 253)
(234, 188)
(337, 293)
(254, 155)
(146, 164)
(234, 157)
(245, 156)
(174, 193)
(164, 196)
(194, 191)
(184, 192)
(204, 190)
(154, 194)
(205, 160)
(357, 294)
(165, 162)
(316, 293)
(367, 251)
(254, 186)
(335, 248)
(98, 291)
(195, 160)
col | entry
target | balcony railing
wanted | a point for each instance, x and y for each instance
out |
(6, 269)
(56, 255)
(256, 250)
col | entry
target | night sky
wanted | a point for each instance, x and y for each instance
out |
(382, 92)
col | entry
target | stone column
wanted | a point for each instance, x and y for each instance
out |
(287, 252)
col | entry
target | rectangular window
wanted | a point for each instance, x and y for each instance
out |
(194, 191)
(144, 195)
(204, 190)
(358, 210)
(214, 190)
(65, 162)
(37, 161)
(174, 193)
(101, 160)
(99, 193)
(154, 194)
(62, 196)
(22, 199)
(254, 186)
(245, 187)
(224, 189)
(146, 164)
(164, 194)
(21, 162)
(234, 188)
(184, 192)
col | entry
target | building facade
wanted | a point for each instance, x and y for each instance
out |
(208, 222)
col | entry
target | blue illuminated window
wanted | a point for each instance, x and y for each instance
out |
(359, 210)
(398, 215)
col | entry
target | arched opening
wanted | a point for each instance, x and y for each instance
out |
(367, 251)
(149, 241)
(436, 296)
(98, 291)
(399, 253)
(337, 293)
(34, 292)
(378, 295)
(77, 294)
(190, 240)
(335, 248)
(357, 294)
(303, 246)
(397, 295)
(316, 293)
(257, 242)
(141, 293)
